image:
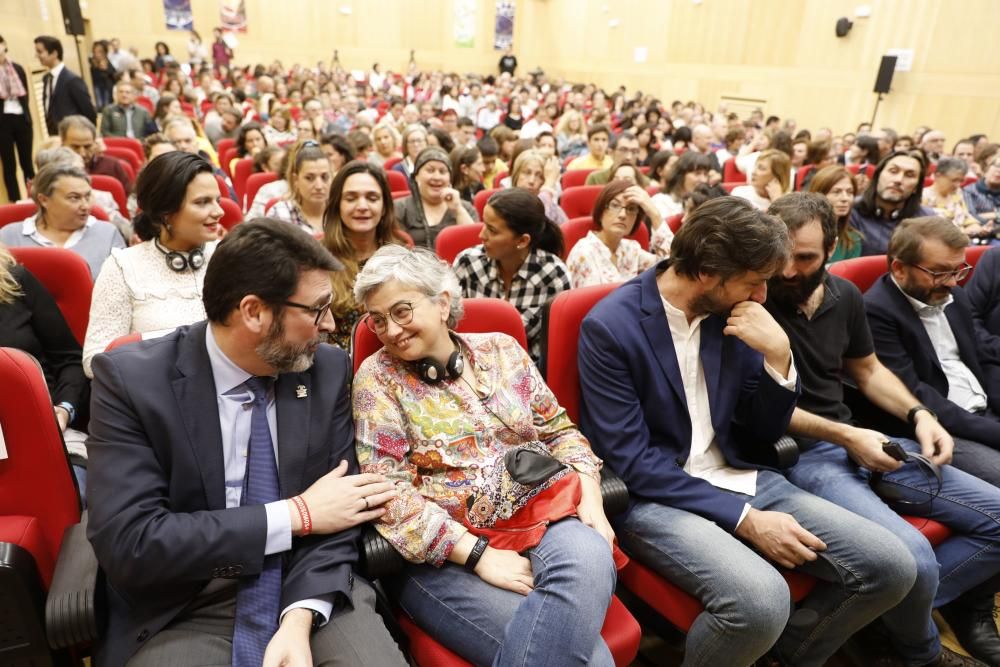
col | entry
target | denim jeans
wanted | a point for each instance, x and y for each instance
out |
(978, 460)
(558, 623)
(863, 572)
(969, 506)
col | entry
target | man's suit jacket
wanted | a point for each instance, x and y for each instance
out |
(903, 346)
(115, 124)
(635, 413)
(983, 290)
(158, 517)
(69, 96)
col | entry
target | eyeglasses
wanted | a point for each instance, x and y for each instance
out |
(940, 277)
(630, 209)
(320, 311)
(401, 313)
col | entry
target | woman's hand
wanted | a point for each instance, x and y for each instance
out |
(639, 197)
(452, 199)
(551, 171)
(62, 417)
(505, 569)
(773, 189)
(591, 509)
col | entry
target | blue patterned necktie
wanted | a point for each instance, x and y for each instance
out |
(258, 598)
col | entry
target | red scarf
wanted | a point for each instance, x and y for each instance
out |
(10, 83)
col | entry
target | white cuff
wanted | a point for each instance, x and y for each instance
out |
(279, 528)
(323, 605)
(786, 383)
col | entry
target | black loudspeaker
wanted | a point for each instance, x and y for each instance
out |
(72, 18)
(884, 79)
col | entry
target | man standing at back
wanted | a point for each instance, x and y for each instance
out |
(224, 499)
(686, 384)
(64, 93)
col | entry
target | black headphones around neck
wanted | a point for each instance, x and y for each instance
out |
(432, 371)
(178, 261)
(893, 215)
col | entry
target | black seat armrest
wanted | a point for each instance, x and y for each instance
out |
(378, 557)
(786, 452)
(614, 492)
(75, 607)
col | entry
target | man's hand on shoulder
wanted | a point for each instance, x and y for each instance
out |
(289, 647)
(337, 501)
(751, 323)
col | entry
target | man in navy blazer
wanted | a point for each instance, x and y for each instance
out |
(924, 332)
(686, 383)
(174, 452)
(64, 93)
(983, 290)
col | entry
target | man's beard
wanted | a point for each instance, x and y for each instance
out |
(709, 303)
(934, 296)
(285, 357)
(790, 294)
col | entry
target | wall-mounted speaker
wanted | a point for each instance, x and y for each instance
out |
(884, 79)
(843, 27)
(72, 17)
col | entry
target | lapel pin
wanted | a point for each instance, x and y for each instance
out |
(301, 391)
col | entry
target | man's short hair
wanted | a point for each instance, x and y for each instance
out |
(465, 121)
(727, 237)
(597, 129)
(76, 122)
(910, 234)
(263, 257)
(798, 209)
(947, 165)
(624, 136)
(50, 44)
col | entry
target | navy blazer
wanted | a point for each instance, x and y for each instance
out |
(69, 97)
(903, 346)
(634, 411)
(158, 517)
(983, 290)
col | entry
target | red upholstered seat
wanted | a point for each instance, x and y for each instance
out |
(67, 278)
(397, 181)
(453, 240)
(241, 173)
(223, 187)
(11, 213)
(935, 532)
(124, 340)
(675, 222)
(483, 196)
(621, 632)
(730, 174)
(575, 178)
(232, 215)
(125, 155)
(575, 229)
(391, 162)
(225, 157)
(133, 145)
(855, 168)
(972, 255)
(114, 186)
(862, 271)
(224, 145)
(579, 201)
(255, 183)
(801, 174)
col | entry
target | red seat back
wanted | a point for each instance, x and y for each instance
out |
(575, 229)
(855, 168)
(675, 222)
(240, 175)
(145, 102)
(862, 271)
(35, 479)
(972, 255)
(125, 155)
(224, 145)
(255, 183)
(453, 240)
(223, 188)
(133, 337)
(11, 213)
(801, 174)
(390, 163)
(481, 316)
(483, 196)
(270, 203)
(397, 181)
(578, 202)
(133, 145)
(575, 178)
(225, 157)
(66, 276)
(233, 215)
(730, 173)
(114, 186)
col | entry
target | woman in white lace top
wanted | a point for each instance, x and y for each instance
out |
(156, 286)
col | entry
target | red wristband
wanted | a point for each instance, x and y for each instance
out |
(304, 515)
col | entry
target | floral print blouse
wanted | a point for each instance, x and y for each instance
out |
(590, 262)
(437, 443)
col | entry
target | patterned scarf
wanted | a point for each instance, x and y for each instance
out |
(10, 83)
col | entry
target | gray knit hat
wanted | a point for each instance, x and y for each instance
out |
(431, 154)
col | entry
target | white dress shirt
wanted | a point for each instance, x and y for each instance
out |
(706, 460)
(235, 401)
(964, 389)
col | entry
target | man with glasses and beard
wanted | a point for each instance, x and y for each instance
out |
(824, 317)
(225, 499)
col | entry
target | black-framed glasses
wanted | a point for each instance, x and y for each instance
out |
(320, 311)
(940, 277)
(401, 313)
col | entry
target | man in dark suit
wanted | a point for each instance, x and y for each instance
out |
(225, 504)
(125, 118)
(983, 290)
(64, 93)
(686, 383)
(924, 332)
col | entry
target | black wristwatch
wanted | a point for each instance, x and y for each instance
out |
(911, 416)
(476, 553)
(318, 619)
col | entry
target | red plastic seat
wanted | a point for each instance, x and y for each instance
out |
(862, 271)
(972, 255)
(575, 229)
(67, 278)
(453, 240)
(270, 203)
(11, 213)
(233, 215)
(483, 196)
(482, 315)
(578, 202)
(855, 168)
(801, 174)
(255, 183)
(969, 180)
(114, 186)
(133, 145)
(390, 163)
(125, 155)
(244, 167)
(731, 174)
(223, 187)
(397, 182)
(675, 222)
(134, 337)
(575, 178)
(224, 145)
(145, 103)
(499, 177)
(225, 157)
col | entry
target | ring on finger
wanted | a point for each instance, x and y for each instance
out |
(365, 498)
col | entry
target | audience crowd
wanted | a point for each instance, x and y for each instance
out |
(373, 207)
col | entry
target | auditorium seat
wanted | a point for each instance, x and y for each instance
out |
(390, 163)
(730, 173)
(675, 222)
(397, 182)
(114, 186)
(575, 229)
(855, 168)
(11, 213)
(39, 500)
(579, 201)
(225, 157)
(862, 271)
(241, 172)
(575, 178)
(972, 256)
(223, 187)
(255, 183)
(224, 145)
(232, 215)
(801, 174)
(479, 201)
(500, 176)
(125, 155)
(66, 276)
(453, 240)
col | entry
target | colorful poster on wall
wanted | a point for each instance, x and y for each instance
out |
(177, 14)
(233, 15)
(503, 35)
(465, 23)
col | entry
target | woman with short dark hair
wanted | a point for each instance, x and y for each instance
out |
(156, 286)
(690, 170)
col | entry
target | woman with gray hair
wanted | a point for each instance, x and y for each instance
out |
(63, 195)
(946, 198)
(499, 511)
(434, 204)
